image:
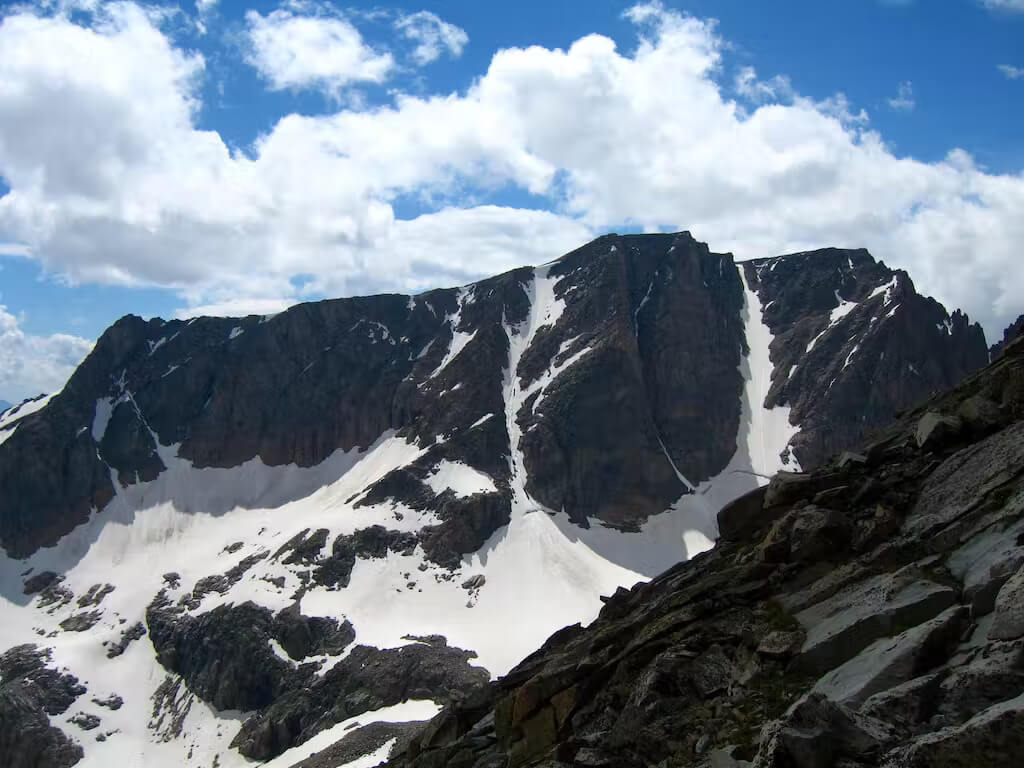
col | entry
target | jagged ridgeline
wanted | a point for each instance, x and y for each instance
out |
(254, 533)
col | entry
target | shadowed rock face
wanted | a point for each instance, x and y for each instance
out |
(660, 316)
(848, 353)
(643, 368)
(30, 691)
(869, 615)
(1015, 329)
(226, 656)
(365, 680)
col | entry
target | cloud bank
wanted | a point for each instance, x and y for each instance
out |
(112, 181)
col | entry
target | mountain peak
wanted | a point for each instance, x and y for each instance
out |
(225, 504)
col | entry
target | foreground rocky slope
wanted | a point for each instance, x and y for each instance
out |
(237, 540)
(869, 613)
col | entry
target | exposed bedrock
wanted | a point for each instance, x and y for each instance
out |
(869, 616)
(30, 693)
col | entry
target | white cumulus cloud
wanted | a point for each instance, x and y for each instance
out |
(1011, 72)
(31, 365)
(111, 180)
(433, 36)
(298, 50)
(904, 99)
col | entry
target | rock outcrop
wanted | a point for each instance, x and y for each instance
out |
(854, 343)
(30, 692)
(365, 680)
(1015, 329)
(862, 615)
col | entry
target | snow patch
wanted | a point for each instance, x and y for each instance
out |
(459, 477)
(425, 349)
(843, 308)
(235, 333)
(849, 357)
(407, 711)
(459, 338)
(480, 421)
(101, 417)
(691, 525)
(641, 305)
(886, 289)
(20, 411)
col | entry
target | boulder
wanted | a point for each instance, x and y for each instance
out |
(934, 429)
(1009, 609)
(849, 458)
(995, 674)
(85, 721)
(979, 414)
(841, 626)
(111, 702)
(474, 582)
(819, 534)
(955, 486)
(128, 636)
(816, 732)
(742, 517)
(906, 706)
(787, 487)
(891, 661)
(985, 562)
(780, 644)
(993, 738)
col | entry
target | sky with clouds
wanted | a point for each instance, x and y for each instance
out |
(237, 157)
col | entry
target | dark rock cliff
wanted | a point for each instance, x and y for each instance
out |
(1015, 329)
(641, 370)
(29, 691)
(854, 343)
(865, 614)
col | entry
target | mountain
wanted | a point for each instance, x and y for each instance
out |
(1015, 329)
(12, 414)
(866, 614)
(4, 405)
(376, 504)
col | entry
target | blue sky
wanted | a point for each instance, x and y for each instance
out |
(229, 157)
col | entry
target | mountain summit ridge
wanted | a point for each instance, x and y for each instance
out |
(204, 384)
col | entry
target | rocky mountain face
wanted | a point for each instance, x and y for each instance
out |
(642, 364)
(870, 613)
(851, 339)
(252, 533)
(1015, 329)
